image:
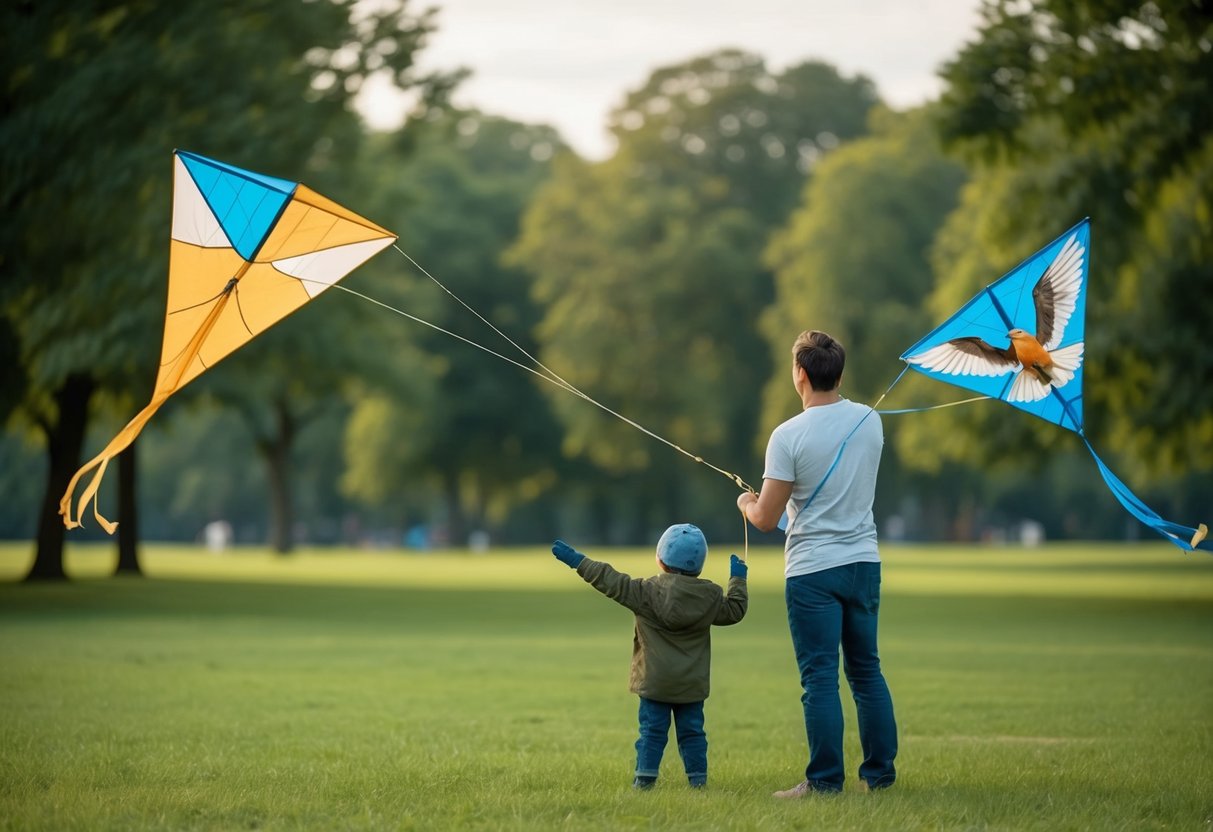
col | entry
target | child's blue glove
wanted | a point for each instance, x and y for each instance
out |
(738, 567)
(566, 554)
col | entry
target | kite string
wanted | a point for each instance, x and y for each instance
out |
(745, 536)
(931, 407)
(454, 335)
(552, 379)
(887, 391)
(904, 370)
(562, 382)
(555, 376)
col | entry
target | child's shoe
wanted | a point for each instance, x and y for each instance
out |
(698, 782)
(643, 782)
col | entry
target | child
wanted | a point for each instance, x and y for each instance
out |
(672, 649)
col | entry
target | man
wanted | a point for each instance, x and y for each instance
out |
(821, 468)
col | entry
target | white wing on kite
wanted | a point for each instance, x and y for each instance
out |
(1056, 293)
(967, 357)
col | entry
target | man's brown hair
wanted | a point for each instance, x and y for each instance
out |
(821, 357)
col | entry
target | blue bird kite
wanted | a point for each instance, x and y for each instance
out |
(1038, 309)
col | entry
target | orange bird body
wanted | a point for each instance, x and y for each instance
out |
(1032, 355)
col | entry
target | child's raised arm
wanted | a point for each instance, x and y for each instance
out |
(621, 588)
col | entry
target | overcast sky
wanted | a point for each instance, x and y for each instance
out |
(567, 63)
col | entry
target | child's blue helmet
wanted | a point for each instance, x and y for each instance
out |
(683, 547)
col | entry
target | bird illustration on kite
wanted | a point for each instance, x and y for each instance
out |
(1039, 308)
(246, 251)
(1038, 362)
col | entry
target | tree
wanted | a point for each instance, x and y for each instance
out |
(725, 118)
(474, 430)
(293, 377)
(647, 290)
(855, 256)
(200, 465)
(649, 264)
(1073, 108)
(854, 260)
(88, 193)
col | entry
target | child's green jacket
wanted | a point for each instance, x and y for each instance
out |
(672, 648)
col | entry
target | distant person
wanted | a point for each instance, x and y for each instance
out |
(821, 469)
(672, 649)
(218, 535)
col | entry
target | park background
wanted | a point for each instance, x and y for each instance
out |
(739, 206)
(386, 642)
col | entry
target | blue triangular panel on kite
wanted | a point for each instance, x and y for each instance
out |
(1007, 304)
(246, 203)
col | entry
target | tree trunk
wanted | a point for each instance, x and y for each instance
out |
(277, 453)
(64, 441)
(128, 515)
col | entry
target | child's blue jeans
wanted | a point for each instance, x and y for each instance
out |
(825, 609)
(655, 731)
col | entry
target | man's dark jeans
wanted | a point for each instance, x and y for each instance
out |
(655, 731)
(825, 609)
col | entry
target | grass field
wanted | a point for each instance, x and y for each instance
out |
(1067, 687)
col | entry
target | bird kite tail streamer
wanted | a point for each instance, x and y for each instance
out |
(116, 446)
(1188, 538)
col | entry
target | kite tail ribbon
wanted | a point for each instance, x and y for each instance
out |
(1185, 537)
(165, 388)
(116, 446)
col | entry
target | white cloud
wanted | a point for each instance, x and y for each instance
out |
(568, 63)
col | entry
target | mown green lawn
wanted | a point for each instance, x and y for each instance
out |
(1066, 687)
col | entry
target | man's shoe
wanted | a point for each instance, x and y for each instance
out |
(796, 792)
(644, 783)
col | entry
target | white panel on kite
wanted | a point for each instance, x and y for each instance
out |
(319, 270)
(193, 220)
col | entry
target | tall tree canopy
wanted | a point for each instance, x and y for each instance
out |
(854, 260)
(1091, 108)
(471, 428)
(97, 94)
(649, 267)
(725, 118)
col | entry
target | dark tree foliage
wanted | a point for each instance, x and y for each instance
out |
(1090, 107)
(97, 95)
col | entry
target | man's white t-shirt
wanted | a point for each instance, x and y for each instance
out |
(836, 526)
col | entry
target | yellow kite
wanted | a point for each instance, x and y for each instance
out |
(246, 251)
